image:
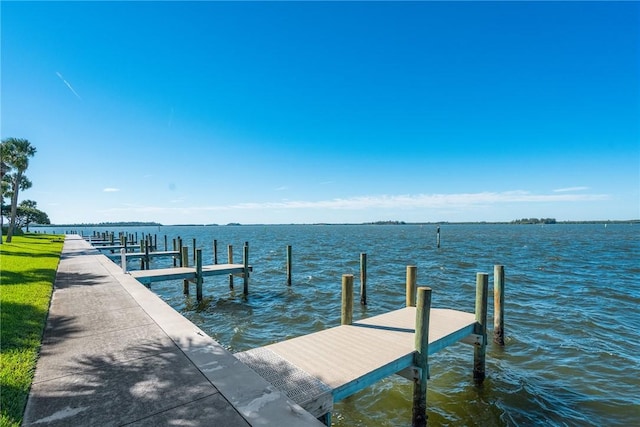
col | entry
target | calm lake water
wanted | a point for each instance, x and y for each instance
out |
(572, 353)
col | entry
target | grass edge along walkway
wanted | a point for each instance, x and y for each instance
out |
(28, 268)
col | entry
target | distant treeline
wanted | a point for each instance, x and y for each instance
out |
(534, 221)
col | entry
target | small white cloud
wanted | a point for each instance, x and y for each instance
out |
(568, 189)
(111, 190)
(284, 187)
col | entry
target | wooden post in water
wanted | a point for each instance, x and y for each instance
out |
(215, 252)
(185, 257)
(199, 278)
(412, 272)
(479, 351)
(142, 245)
(184, 262)
(347, 300)
(420, 358)
(175, 249)
(194, 250)
(245, 263)
(165, 243)
(363, 279)
(230, 258)
(498, 304)
(288, 265)
(180, 250)
(438, 236)
(147, 259)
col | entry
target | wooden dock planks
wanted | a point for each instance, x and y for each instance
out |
(185, 273)
(349, 358)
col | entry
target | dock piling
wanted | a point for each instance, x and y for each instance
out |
(420, 357)
(479, 351)
(412, 272)
(289, 265)
(347, 300)
(498, 304)
(230, 258)
(123, 260)
(363, 279)
(215, 252)
(245, 263)
(199, 278)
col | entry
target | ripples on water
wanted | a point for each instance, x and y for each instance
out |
(571, 313)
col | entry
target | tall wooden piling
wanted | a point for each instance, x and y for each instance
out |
(420, 358)
(289, 265)
(412, 272)
(165, 243)
(230, 258)
(123, 259)
(363, 279)
(346, 312)
(194, 250)
(498, 304)
(479, 351)
(215, 252)
(184, 262)
(199, 278)
(245, 263)
(438, 237)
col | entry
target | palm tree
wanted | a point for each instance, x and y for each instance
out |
(15, 154)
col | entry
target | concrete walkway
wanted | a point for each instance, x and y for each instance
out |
(114, 354)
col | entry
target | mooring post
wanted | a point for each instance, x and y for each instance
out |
(123, 260)
(363, 279)
(155, 242)
(479, 351)
(175, 249)
(165, 243)
(420, 358)
(199, 278)
(184, 262)
(147, 258)
(230, 258)
(498, 304)
(125, 243)
(215, 252)
(194, 250)
(142, 245)
(347, 300)
(288, 265)
(185, 257)
(180, 251)
(245, 264)
(412, 272)
(438, 236)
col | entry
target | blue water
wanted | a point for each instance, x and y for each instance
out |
(572, 353)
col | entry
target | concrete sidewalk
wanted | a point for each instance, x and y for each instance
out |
(114, 354)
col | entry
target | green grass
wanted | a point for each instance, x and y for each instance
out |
(27, 271)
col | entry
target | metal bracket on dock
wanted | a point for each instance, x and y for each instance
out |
(412, 373)
(473, 339)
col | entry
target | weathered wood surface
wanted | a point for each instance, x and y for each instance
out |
(349, 358)
(185, 273)
(133, 255)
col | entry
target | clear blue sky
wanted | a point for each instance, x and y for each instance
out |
(290, 112)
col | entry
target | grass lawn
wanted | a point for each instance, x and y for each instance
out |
(27, 271)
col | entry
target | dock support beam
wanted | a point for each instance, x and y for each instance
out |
(215, 252)
(346, 312)
(498, 304)
(420, 358)
(479, 351)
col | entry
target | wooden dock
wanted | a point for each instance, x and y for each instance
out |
(319, 369)
(324, 367)
(186, 273)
